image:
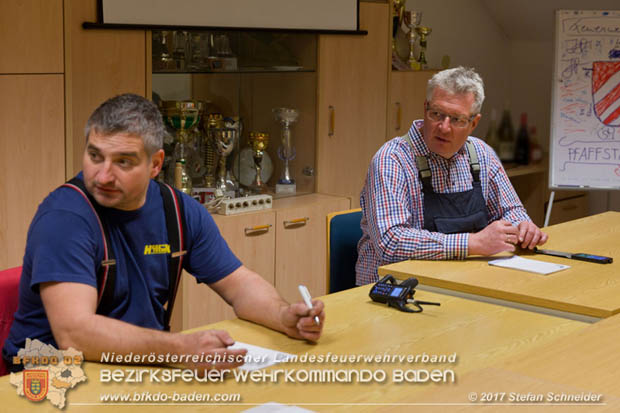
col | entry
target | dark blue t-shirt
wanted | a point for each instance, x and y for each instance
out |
(65, 244)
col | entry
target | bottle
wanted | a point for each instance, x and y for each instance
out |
(506, 138)
(491, 137)
(536, 152)
(522, 148)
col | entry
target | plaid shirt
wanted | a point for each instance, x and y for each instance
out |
(393, 209)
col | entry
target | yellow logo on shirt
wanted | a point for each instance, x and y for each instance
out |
(157, 249)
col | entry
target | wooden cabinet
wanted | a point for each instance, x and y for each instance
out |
(31, 154)
(407, 95)
(301, 242)
(31, 36)
(31, 116)
(567, 206)
(352, 99)
(286, 245)
(99, 65)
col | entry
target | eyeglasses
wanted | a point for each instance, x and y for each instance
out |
(455, 121)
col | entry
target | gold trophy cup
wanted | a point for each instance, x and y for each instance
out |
(423, 31)
(182, 116)
(258, 143)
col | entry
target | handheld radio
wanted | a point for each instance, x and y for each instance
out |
(388, 291)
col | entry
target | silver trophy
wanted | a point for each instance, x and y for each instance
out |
(286, 151)
(225, 143)
(412, 21)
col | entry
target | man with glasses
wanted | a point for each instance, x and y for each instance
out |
(437, 192)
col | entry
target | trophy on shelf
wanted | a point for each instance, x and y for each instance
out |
(398, 11)
(162, 58)
(182, 116)
(412, 21)
(235, 124)
(423, 31)
(225, 143)
(286, 151)
(179, 53)
(198, 52)
(214, 123)
(258, 143)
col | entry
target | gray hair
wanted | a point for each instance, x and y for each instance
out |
(129, 114)
(458, 81)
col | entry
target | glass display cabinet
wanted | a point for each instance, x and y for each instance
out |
(238, 102)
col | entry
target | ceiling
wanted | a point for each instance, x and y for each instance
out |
(534, 20)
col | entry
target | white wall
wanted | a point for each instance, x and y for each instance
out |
(531, 73)
(468, 33)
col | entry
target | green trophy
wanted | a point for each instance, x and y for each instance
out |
(182, 116)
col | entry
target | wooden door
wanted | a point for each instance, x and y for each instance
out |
(301, 246)
(252, 238)
(352, 101)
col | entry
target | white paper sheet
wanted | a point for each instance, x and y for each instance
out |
(526, 264)
(273, 407)
(259, 357)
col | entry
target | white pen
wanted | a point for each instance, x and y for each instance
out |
(305, 294)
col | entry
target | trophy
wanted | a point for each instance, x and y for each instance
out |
(258, 142)
(412, 21)
(235, 124)
(286, 152)
(162, 57)
(225, 143)
(214, 123)
(423, 32)
(182, 116)
(398, 8)
(179, 53)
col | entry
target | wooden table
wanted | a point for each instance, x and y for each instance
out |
(586, 289)
(480, 334)
(583, 362)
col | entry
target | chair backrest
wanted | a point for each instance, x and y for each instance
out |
(343, 234)
(9, 297)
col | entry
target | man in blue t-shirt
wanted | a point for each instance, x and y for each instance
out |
(58, 290)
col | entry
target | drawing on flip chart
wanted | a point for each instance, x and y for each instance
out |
(585, 141)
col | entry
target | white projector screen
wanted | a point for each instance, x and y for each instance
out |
(259, 14)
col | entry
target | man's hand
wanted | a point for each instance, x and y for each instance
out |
(213, 343)
(497, 237)
(530, 235)
(256, 300)
(298, 320)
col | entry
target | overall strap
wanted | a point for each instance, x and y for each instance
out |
(474, 164)
(424, 171)
(175, 224)
(106, 275)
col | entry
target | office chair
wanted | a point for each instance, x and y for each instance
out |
(9, 296)
(343, 234)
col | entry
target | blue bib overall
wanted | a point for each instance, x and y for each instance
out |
(455, 212)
